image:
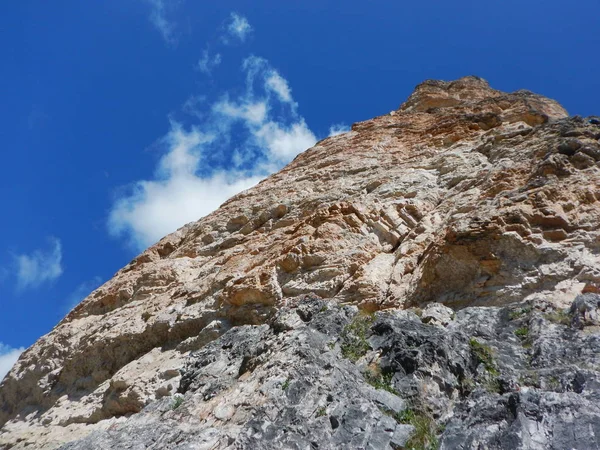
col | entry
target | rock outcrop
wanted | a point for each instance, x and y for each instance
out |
(429, 279)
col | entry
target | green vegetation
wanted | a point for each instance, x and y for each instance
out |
(380, 380)
(406, 416)
(467, 384)
(177, 401)
(354, 337)
(484, 355)
(522, 332)
(530, 378)
(553, 383)
(426, 430)
(321, 411)
(519, 312)
(560, 316)
(286, 384)
(493, 385)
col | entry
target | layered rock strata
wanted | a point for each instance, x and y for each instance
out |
(429, 278)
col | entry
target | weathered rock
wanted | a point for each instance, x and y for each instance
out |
(474, 383)
(437, 314)
(586, 310)
(478, 207)
(260, 387)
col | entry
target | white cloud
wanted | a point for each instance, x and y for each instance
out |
(238, 27)
(192, 106)
(251, 112)
(158, 17)
(207, 63)
(8, 358)
(184, 151)
(279, 85)
(338, 128)
(284, 142)
(239, 140)
(158, 207)
(41, 266)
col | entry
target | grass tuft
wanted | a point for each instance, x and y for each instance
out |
(560, 317)
(380, 381)
(519, 312)
(177, 401)
(425, 436)
(354, 337)
(522, 332)
(484, 355)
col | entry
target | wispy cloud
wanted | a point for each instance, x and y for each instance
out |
(238, 28)
(338, 128)
(39, 267)
(158, 17)
(239, 140)
(277, 84)
(8, 358)
(207, 63)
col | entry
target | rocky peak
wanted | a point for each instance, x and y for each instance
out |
(474, 95)
(446, 94)
(430, 277)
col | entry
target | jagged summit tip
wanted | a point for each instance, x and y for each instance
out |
(475, 95)
(469, 81)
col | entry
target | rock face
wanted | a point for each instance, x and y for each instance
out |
(429, 279)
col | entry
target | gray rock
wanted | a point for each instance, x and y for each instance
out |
(473, 384)
(586, 310)
(437, 314)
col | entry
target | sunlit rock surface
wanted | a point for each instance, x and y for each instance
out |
(431, 277)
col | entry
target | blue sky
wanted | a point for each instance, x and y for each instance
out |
(124, 119)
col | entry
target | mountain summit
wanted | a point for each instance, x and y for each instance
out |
(428, 279)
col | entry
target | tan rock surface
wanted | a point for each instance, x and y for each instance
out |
(463, 196)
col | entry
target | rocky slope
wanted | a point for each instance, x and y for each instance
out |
(430, 278)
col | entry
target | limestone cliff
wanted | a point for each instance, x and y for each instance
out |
(429, 278)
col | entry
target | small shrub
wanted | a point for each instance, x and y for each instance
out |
(380, 381)
(354, 337)
(493, 385)
(530, 378)
(519, 312)
(560, 317)
(286, 384)
(484, 355)
(321, 411)
(467, 385)
(522, 332)
(177, 401)
(426, 430)
(406, 416)
(553, 383)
